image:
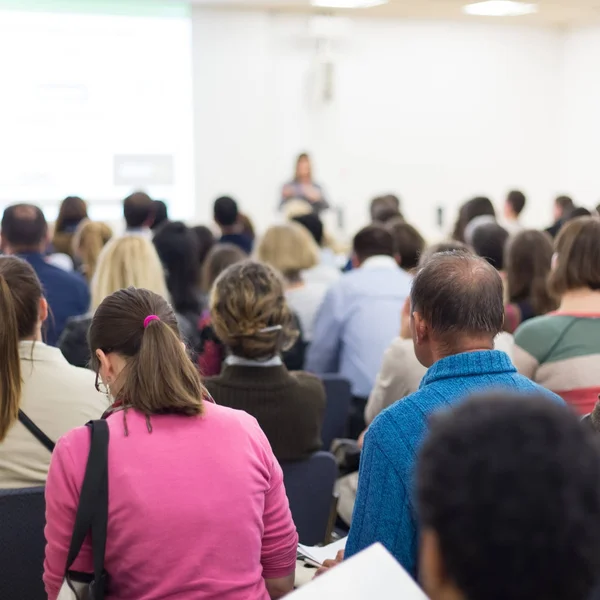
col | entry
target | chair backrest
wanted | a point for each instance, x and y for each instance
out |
(309, 485)
(339, 396)
(22, 543)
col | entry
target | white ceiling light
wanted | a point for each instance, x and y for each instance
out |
(347, 3)
(500, 8)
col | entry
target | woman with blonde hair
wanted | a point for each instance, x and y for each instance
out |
(251, 317)
(197, 507)
(291, 249)
(38, 387)
(88, 241)
(130, 260)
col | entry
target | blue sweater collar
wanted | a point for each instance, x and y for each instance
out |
(482, 362)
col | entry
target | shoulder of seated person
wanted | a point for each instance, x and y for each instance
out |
(540, 328)
(309, 380)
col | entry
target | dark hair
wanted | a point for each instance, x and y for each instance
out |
(578, 250)
(510, 485)
(24, 226)
(72, 211)
(458, 293)
(225, 211)
(206, 240)
(177, 247)
(528, 260)
(217, 260)
(373, 240)
(384, 205)
(516, 200)
(249, 311)
(160, 213)
(138, 210)
(313, 223)
(20, 294)
(489, 240)
(408, 241)
(579, 211)
(476, 207)
(159, 377)
(447, 246)
(565, 203)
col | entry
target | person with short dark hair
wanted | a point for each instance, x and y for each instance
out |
(579, 211)
(383, 208)
(508, 496)
(409, 243)
(561, 350)
(488, 241)
(138, 210)
(513, 207)
(360, 316)
(563, 205)
(226, 215)
(457, 310)
(25, 233)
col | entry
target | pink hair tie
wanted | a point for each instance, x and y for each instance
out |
(149, 320)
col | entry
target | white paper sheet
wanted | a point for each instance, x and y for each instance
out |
(321, 554)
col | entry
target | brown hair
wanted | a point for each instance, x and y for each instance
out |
(217, 260)
(89, 239)
(247, 299)
(159, 377)
(72, 211)
(409, 242)
(528, 262)
(20, 294)
(578, 250)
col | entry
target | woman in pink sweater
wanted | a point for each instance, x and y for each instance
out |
(197, 507)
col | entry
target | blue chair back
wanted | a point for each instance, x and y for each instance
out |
(309, 486)
(337, 410)
(22, 543)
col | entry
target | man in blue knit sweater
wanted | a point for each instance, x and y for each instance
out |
(456, 311)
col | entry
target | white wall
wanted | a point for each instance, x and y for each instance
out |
(436, 111)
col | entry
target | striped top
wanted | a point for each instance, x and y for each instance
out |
(561, 351)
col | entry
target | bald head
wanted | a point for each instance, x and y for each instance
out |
(24, 228)
(460, 294)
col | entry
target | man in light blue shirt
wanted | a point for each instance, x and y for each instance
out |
(360, 316)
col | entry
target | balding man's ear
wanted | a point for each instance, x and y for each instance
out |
(420, 328)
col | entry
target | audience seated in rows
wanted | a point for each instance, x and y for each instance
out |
(563, 206)
(508, 497)
(35, 379)
(409, 243)
(472, 213)
(291, 250)
(24, 232)
(456, 312)
(561, 350)
(72, 211)
(138, 210)
(527, 262)
(251, 317)
(130, 260)
(89, 239)
(513, 207)
(227, 217)
(360, 316)
(197, 506)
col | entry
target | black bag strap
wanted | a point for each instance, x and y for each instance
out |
(92, 511)
(36, 431)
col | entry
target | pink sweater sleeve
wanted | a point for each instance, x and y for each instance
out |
(280, 538)
(62, 497)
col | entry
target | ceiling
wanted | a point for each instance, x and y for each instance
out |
(550, 12)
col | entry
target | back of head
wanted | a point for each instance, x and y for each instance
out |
(177, 248)
(72, 211)
(20, 295)
(516, 200)
(447, 246)
(24, 228)
(160, 214)
(528, 260)
(138, 210)
(564, 204)
(130, 260)
(578, 256)
(488, 241)
(289, 248)
(373, 240)
(579, 211)
(476, 207)
(313, 224)
(217, 260)
(509, 502)
(458, 294)
(225, 211)
(384, 207)
(205, 240)
(88, 241)
(249, 311)
(158, 377)
(408, 241)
